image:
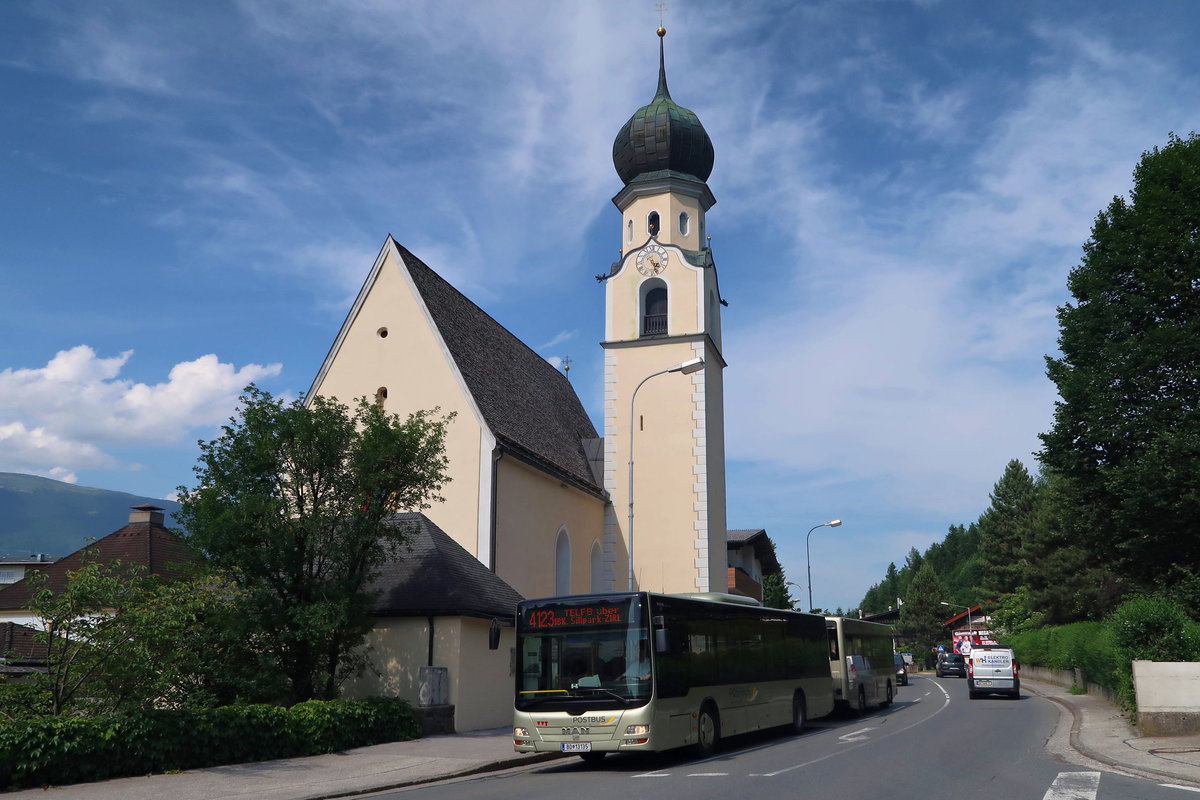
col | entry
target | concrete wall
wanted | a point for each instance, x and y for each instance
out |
(480, 680)
(1068, 678)
(1168, 697)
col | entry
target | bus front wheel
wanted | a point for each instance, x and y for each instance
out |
(708, 730)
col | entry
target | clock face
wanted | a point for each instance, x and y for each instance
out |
(652, 260)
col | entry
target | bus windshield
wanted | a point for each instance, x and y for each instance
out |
(591, 648)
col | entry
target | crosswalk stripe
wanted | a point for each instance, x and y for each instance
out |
(1074, 786)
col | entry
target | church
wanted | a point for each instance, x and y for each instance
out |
(540, 503)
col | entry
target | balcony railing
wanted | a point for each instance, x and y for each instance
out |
(654, 324)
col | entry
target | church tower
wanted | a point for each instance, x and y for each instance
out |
(662, 321)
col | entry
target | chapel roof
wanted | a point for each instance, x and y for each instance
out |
(527, 403)
(434, 575)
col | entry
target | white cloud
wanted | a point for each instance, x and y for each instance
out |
(56, 419)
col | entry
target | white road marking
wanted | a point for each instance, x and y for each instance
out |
(1177, 786)
(653, 775)
(707, 774)
(945, 702)
(1074, 786)
(855, 736)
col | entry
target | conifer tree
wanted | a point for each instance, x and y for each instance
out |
(1126, 433)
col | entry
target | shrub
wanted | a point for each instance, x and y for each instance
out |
(61, 750)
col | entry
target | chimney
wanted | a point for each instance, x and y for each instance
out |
(146, 513)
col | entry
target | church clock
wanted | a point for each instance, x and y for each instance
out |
(652, 260)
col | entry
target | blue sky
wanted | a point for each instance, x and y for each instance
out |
(192, 193)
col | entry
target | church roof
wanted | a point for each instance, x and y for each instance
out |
(527, 403)
(143, 544)
(663, 137)
(433, 575)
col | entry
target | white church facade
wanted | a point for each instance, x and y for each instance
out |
(539, 503)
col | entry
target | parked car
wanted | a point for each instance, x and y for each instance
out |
(950, 664)
(992, 670)
(901, 671)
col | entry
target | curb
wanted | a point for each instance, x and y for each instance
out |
(1079, 747)
(492, 766)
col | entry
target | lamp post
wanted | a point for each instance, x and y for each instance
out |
(833, 523)
(687, 368)
(970, 627)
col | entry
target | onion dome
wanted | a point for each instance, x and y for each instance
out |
(663, 137)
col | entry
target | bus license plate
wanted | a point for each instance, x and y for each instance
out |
(983, 683)
(576, 747)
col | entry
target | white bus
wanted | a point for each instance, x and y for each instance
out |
(861, 663)
(640, 672)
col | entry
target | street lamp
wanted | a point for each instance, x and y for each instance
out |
(687, 368)
(970, 627)
(833, 523)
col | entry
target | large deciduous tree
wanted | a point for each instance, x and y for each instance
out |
(1126, 432)
(292, 501)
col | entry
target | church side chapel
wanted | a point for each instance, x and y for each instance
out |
(539, 504)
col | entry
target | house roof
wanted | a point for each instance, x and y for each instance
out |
(432, 575)
(528, 404)
(144, 544)
(764, 549)
(17, 643)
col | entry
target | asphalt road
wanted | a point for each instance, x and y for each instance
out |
(933, 742)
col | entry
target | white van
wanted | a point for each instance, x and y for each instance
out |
(992, 669)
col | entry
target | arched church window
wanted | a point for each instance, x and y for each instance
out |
(652, 223)
(654, 309)
(562, 562)
(685, 223)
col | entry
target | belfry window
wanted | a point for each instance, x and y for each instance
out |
(685, 223)
(630, 234)
(652, 223)
(654, 311)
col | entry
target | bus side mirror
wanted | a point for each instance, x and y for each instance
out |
(660, 640)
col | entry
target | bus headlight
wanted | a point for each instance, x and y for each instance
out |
(637, 730)
(521, 733)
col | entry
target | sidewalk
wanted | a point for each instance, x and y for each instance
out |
(1090, 726)
(365, 769)
(1100, 732)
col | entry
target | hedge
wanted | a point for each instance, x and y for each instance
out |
(1143, 627)
(61, 750)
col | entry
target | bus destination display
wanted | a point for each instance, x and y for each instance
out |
(571, 616)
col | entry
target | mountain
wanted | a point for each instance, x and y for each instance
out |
(40, 515)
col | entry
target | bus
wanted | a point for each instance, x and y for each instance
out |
(861, 663)
(638, 672)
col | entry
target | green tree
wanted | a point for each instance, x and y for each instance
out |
(119, 639)
(1005, 527)
(1126, 432)
(775, 592)
(293, 501)
(922, 614)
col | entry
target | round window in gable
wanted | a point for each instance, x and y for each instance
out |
(382, 332)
